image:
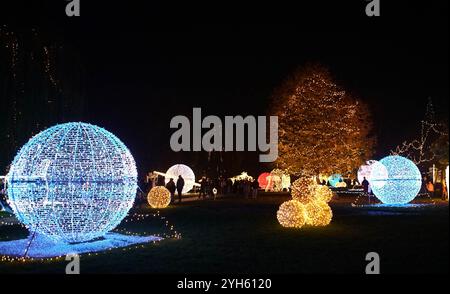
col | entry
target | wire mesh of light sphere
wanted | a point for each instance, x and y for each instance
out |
(303, 190)
(322, 193)
(187, 174)
(292, 214)
(318, 213)
(73, 182)
(333, 180)
(159, 197)
(365, 170)
(395, 180)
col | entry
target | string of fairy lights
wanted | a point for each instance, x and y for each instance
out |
(171, 233)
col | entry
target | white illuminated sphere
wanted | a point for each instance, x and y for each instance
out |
(395, 180)
(365, 170)
(187, 174)
(73, 182)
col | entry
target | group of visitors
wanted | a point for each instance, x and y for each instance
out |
(178, 187)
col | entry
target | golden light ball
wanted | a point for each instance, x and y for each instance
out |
(292, 214)
(323, 193)
(159, 197)
(318, 213)
(303, 190)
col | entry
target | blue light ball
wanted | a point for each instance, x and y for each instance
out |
(333, 180)
(395, 180)
(72, 183)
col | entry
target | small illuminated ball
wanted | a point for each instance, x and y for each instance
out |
(187, 174)
(318, 213)
(323, 193)
(341, 185)
(365, 170)
(303, 190)
(334, 180)
(292, 214)
(263, 180)
(395, 180)
(73, 182)
(159, 197)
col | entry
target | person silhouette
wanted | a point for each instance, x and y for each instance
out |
(180, 186)
(365, 184)
(171, 187)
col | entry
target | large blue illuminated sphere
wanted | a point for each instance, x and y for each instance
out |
(395, 180)
(73, 182)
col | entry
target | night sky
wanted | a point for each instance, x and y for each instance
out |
(145, 62)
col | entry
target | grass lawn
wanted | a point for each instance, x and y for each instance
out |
(243, 236)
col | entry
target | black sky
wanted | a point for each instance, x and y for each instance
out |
(146, 62)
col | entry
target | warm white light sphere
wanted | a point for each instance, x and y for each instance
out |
(187, 174)
(365, 170)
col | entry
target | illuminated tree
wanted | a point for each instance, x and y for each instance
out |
(322, 127)
(432, 143)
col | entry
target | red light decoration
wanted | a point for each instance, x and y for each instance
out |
(263, 181)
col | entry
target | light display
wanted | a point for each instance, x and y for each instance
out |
(159, 197)
(303, 190)
(318, 213)
(395, 180)
(323, 193)
(40, 248)
(263, 180)
(333, 180)
(72, 183)
(365, 170)
(322, 126)
(244, 176)
(292, 214)
(446, 179)
(341, 185)
(184, 171)
(279, 180)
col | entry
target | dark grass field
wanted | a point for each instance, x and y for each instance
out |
(243, 236)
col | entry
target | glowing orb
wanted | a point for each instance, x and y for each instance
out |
(263, 180)
(318, 213)
(365, 170)
(184, 171)
(303, 190)
(73, 182)
(292, 214)
(323, 193)
(395, 180)
(341, 185)
(334, 180)
(159, 197)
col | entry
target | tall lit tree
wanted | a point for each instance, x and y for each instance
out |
(322, 127)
